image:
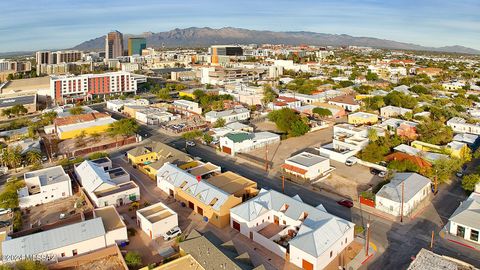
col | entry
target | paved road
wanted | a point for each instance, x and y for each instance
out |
(396, 243)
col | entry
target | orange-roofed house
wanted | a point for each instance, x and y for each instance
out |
(307, 166)
(284, 102)
(420, 162)
(347, 102)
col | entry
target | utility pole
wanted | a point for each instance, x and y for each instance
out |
(266, 157)
(367, 244)
(435, 186)
(401, 209)
(283, 184)
(431, 241)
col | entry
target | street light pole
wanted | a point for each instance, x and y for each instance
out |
(367, 245)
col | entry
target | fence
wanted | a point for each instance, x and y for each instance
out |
(119, 143)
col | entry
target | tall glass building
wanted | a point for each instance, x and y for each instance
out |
(136, 45)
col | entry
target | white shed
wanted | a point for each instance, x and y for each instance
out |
(156, 219)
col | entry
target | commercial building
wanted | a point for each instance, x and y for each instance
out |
(113, 45)
(307, 166)
(237, 114)
(70, 88)
(403, 194)
(106, 185)
(212, 197)
(307, 236)
(156, 219)
(57, 57)
(44, 186)
(71, 126)
(105, 228)
(238, 142)
(29, 102)
(136, 45)
(117, 105)
(186, 107)
(362, 118)
(219, 51)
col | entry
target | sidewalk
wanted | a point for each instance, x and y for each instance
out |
(458, 240)
(362, 259)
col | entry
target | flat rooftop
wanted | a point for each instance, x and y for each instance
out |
(156, 212)
(306, 159)
(203, 169)
(119, 188)
(25, 86)
(230, 182)
(49, 176)
(185, 263)
(111, 219)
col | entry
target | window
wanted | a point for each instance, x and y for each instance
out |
(331, 253)
(63, 194)
(474, 235)
(63, 254)
(460, 231)
(74, 252)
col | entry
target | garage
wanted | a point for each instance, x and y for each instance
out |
(227, 150)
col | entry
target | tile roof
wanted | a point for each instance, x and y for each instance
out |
(422, 163)
(345, 100)
(294, 169)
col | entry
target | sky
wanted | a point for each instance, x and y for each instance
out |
(28, 25)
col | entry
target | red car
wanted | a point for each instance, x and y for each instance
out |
(346, 203)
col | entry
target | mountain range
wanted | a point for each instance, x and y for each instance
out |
(205, 36)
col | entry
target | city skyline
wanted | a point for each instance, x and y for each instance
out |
(56, 25)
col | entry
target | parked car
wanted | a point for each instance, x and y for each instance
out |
(459, 174)
(351, 161)
(191, 143)
(4, 211)
(346, 203)
(378, 172)
(172, 233)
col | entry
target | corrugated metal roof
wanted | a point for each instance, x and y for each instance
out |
(414, 183)
(53, 239)
(92, 176)
(468, 213)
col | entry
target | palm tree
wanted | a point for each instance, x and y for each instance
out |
(33, 157)
(125, 127)
(13, 156)
(95, 136)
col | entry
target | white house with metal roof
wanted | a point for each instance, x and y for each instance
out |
(307, 165)
(465, 221)
(307, 236)
(460, 125)
(237, 142)
(239, 113)
(409, 188)
(106, 185)
(44, 186)
(104, 229)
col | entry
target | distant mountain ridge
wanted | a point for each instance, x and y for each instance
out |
(205, 36)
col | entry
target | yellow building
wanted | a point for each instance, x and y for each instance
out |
(72, 126)
(362, 118)
(454, 149)
(131, 110)
(186, 93)
(155, 154)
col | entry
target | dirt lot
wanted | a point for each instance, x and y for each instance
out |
(349, 181)
(277, 153)
(50, 212)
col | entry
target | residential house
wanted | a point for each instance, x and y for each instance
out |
(428, 260)
(212, 197)
(454, 149)
(156, 219)
(156, 151)
(453, 86)
(346, 102)
(348, 140)
(403, 128)
(460, 125)
(429, 156)
(284, 102)
(307, 166)
(337, 111)
(240, 142)
(105, 228)
(470, 139)
(465, 221)
(309, 237)
(106, 185)
(393, 111)
(237, 114)
(318, 97)
(45, 185)
(186, 107)
(402, 194)
(249, 95)
(14, 134)
(362, 118)
(422, 164)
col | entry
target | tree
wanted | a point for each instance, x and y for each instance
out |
(198, 94)
(371, 76)
(80, 139)
(18, 109)
(133, 258)
(191, 135)
(434, 132)
(399, 99)
(164, 94)
(444, 168)
(7, 112)
(76, 110)
(372, 135)
(12, 156)
(373, 103)
(268, 94)
(9, 196)
(95, 136)
(125, 127)
(33, 157)
(299, 128)
(207, 138)
(219, 123)
(288, 121)
(97, 155)
(420, 89)
(322, 112)
(470, 181)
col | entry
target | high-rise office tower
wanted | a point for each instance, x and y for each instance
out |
(136, 45)
(113, 45)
